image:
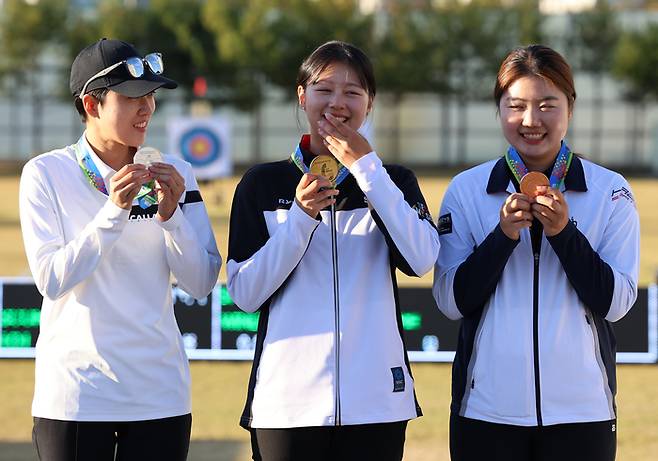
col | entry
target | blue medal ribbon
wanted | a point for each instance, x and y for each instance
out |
(298, 159)
(560, 168)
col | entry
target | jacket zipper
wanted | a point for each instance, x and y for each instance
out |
(535, 331)
(334, 260)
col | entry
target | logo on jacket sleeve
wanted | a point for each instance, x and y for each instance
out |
(398, 379)
(422, 211)
(445, 224)
(622, 192)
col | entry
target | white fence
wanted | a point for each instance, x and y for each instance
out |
(423, 130)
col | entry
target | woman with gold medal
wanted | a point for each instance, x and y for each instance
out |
(539, 254)
(314, 243)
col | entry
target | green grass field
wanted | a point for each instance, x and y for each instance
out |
(218, 388)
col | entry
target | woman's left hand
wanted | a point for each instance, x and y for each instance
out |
(170, 186)
(346, 144)
(551, 209)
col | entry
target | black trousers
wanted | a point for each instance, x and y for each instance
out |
(475, 440)
(365, 442)
(166, 439)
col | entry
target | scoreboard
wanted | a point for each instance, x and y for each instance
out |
(214, 328)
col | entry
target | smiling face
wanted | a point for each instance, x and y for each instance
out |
(118, 125)
(534, 117)
(338, 91)
(124, 120)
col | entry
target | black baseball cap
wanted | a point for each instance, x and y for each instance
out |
(101, 55)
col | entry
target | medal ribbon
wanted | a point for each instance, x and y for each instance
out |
(560, 168)
(298, 159)
(146, 196)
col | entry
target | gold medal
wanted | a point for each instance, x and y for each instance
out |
(530, 181)
(325, 166)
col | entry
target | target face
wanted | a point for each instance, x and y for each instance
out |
(200, 146)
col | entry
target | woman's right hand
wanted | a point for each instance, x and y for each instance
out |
(314, 193)
(126, 183)
(515, 215)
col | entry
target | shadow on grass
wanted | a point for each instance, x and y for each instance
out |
(219, 450)
(203, 450)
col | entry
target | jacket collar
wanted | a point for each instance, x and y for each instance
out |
(305, 147)
(501, 178)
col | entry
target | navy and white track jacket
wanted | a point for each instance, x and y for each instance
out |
(322, 361)
(535, 344)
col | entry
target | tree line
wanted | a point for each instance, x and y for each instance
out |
(242, 48)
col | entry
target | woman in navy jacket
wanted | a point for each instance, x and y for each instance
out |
(536, 267)
(317, 259)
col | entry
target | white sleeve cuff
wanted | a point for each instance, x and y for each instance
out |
(173, 222)
(299, 217)
(366, 170)
(112, 215)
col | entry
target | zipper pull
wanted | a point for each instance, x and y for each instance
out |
(473, 383)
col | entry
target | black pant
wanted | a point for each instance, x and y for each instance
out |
(475, 440)
(165, 439)
(365, 442)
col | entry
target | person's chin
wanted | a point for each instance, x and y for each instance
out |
(137, 140)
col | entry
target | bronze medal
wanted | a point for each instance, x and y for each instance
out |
(325, 166)
(530, 181)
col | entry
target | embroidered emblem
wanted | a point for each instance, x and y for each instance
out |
(422, 211)
(445, 224)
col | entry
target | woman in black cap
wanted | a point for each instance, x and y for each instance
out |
(104, 235)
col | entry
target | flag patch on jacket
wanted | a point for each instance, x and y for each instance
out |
(398, 379)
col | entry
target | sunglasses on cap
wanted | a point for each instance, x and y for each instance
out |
(134, 65)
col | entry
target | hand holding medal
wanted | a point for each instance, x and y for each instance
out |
(168, 185)
(547, 203)
(515, 215)
(551, 209)
(314, 193)
(317, 188)
(125, 185)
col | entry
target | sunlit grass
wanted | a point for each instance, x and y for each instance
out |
(218, 196)
(218, 392)
(218, 389)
